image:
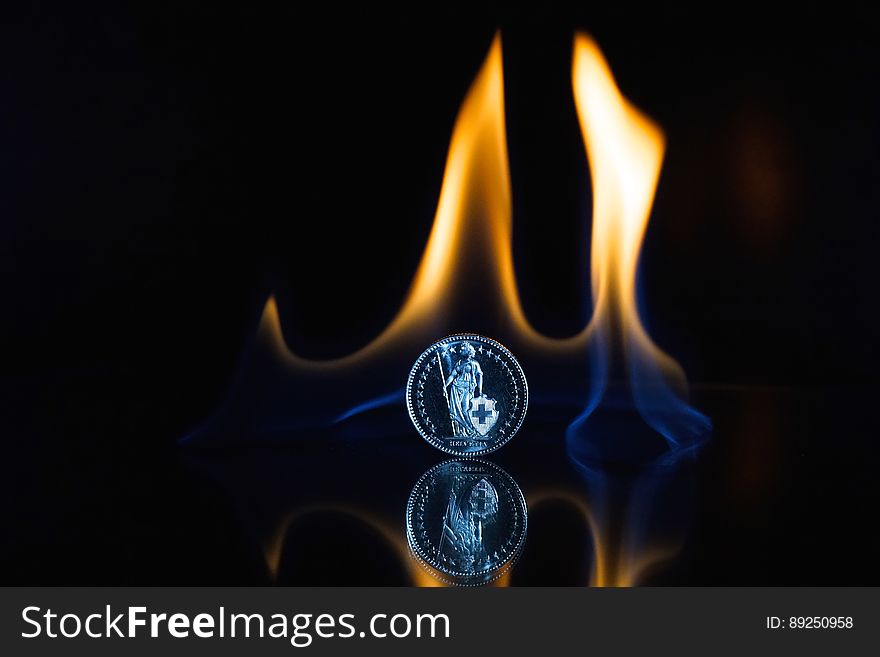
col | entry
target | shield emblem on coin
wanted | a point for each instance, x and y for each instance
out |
(483, 414)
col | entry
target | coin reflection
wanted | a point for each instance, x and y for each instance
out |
(466, 521)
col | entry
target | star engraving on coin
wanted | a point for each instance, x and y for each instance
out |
(466, 522)
(467, 395)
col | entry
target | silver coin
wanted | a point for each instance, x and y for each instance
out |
(466, 522)
(467, 395)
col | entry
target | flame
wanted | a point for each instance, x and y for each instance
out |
(625, 150)
(471, 239)
(473, 227)
(473, 222)
(475, 200)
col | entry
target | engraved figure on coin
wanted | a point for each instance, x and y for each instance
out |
(447, 394)
(466, 521)
(461, 543)
(464, 379)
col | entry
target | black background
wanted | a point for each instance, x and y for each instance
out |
(165, 166)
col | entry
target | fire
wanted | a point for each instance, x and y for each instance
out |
(471, 239)
(471, 236)
(625, 151)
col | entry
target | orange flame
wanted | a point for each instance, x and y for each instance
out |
(473, 229)
(625, 151)
(473, 221)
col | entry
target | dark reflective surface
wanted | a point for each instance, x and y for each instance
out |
(781, 495)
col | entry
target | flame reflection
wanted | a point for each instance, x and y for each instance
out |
(621, 555)
(387, 530)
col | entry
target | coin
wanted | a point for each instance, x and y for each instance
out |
(467, 395)
(466, 522)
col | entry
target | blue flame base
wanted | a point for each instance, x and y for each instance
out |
(621, 427)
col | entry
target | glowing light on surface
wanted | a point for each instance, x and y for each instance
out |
(388, 531)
